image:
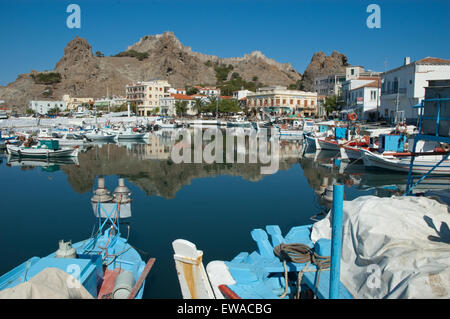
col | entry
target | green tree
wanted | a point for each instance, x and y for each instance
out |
(53, 111)
(229, 106)
(181, 107)
(46, 78)
(191, 91)
(331, 104)
(199, 106)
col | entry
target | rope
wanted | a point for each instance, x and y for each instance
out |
(300, 253)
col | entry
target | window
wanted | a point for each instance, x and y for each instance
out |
(373, 95)
(291, 101)
(353, 71)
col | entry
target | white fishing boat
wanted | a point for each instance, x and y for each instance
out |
(100, 135)
(165, 123)
(239, 121)
(41, 152)
(64, 138)
(423, 162)
(206, 123)
(129, 134)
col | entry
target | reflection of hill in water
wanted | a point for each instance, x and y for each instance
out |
(160, 177)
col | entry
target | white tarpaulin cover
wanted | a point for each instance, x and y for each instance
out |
(396, 247)
(50, 283)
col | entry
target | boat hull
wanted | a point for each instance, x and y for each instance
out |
(40, 152)
(131, 136)
(422, 164)
(97, 137)
(350, 153)
(328, 145)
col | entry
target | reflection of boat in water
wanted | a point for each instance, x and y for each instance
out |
(43, 151)
(35, 162)
(103, 266)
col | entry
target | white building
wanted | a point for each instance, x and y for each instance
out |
(239, 95)
(332, 84)
(364, 100)
(177, 91)
(329, 84)
(167, 104)
(208, 90)
(404, 87)
(147, 95)
(42, 107)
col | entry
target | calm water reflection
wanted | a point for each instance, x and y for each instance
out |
(213, 205)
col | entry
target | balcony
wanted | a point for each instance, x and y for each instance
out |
(393, 92)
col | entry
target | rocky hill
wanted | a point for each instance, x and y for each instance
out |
(322, 65)
(85, 74)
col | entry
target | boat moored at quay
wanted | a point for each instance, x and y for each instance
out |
(104, 266)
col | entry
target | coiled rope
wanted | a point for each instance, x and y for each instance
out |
(300, 253)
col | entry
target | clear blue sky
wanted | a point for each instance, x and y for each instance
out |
(33, 34)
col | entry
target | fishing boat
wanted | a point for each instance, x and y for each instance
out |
(161, 123)
(64, 138)
(45, 149)
(239, 121)
(304, 263)
(401, 161)
(394, 153)
(100, 135)
(129, 134)
(104, 266)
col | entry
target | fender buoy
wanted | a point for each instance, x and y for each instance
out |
(401, 127)
(228, 293)
(352, 116)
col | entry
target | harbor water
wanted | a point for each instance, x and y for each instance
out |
(213, 205)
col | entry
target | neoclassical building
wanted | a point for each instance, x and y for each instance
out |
(279, 99)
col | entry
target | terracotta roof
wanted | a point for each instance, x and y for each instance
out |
(431, 60)
(181, 97)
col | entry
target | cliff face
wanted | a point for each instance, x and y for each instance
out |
(84, 74)
(322, 65)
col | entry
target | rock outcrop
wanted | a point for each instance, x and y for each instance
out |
(322, 65)
(84, 74)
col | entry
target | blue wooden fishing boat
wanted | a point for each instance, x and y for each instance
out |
(105, 264)
(285, 267)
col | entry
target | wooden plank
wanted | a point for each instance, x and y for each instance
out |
(109, 279)
(142, 277)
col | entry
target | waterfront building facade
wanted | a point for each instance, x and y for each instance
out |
(110, 102)
(42, 107)
(364, 100)
(328, 85)
(147, 95)
(168, 104)
(73, 103)
(404, 87)
(279, 100)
